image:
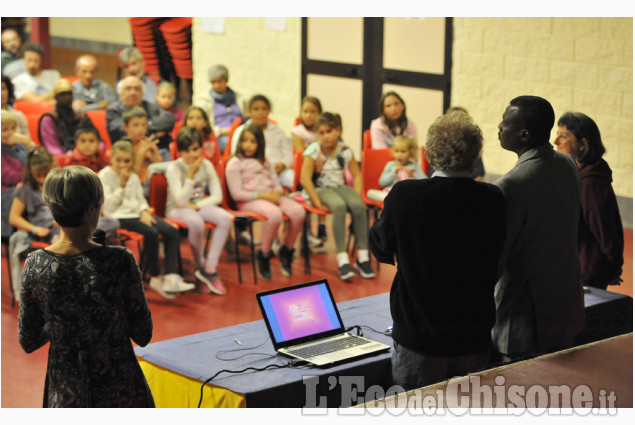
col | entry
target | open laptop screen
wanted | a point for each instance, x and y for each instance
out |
(300, 312)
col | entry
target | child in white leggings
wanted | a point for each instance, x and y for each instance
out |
(188, 177)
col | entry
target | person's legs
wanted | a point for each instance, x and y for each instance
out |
(170, 242)
(270, 227)
(195, 231)
(415, 370)
(150, 242)
(296, 214)
(356, 206)
(337, 205)
(223, 221)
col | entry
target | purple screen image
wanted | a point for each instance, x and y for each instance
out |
(301, 312)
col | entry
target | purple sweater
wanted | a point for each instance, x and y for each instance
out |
(12, 165)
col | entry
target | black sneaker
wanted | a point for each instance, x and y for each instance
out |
(286, 258)
(321, 234)
(263, 265)
(365, 269)
(346, 272)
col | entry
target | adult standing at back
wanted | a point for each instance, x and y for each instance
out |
(539, 299)
(89, 93)
(442, 296)
(35, 84)
(392, 122)
(132, 63)
(601, 234)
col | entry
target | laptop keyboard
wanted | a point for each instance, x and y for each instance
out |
(327, 347)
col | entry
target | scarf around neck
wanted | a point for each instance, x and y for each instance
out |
(226, 99)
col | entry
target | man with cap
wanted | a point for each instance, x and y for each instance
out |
(57, 127)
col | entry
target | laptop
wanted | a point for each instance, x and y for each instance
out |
(304, 323)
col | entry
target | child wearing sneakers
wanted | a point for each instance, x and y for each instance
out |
(124, 200)
(253, 184)
(322, 177)
(188, 179)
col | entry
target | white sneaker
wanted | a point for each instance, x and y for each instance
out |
(156, 283)
(313, 241)
(245, 238)
(174, 283)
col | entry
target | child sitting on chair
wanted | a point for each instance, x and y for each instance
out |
(188, 179)
(166, 93)
(124, 200)
(86, 151)
(196, 117)
(221, 104)
(403, 167)
(322, 177)
(135, 123)
(253, 184)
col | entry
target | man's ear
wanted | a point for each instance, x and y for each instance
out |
(524, 136)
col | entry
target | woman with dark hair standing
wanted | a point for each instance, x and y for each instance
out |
(600, 234)
(392, 122)
(87, 300)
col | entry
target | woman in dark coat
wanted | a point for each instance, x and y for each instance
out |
(600, 234)
(88, 301)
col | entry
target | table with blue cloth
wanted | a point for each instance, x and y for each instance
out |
(176, 368)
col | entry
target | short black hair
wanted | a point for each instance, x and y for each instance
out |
(187, 137)
(583, 127)
(33, 47)
(537, 115)
(83, 130)
(7, 82)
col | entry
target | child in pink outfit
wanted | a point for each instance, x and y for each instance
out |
(253, 184)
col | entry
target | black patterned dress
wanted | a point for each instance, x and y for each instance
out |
(88, 306)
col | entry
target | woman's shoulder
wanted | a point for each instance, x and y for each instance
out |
(378, 123)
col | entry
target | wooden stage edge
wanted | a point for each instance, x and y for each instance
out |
(594, 378)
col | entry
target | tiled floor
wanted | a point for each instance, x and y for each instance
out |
(23, 374)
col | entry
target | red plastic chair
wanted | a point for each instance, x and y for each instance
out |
(425, 165)
(98, 117)
(366, 140)
(29, 108)
(33, 121)
(298, 160)
(232, 129)
(373, 163)
(175, 131)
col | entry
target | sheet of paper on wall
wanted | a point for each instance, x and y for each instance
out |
(212, 25)
(278, 24)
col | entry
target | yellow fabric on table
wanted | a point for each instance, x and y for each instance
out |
(171, 389)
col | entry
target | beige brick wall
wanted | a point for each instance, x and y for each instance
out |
(578, 64)
(259, 60)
